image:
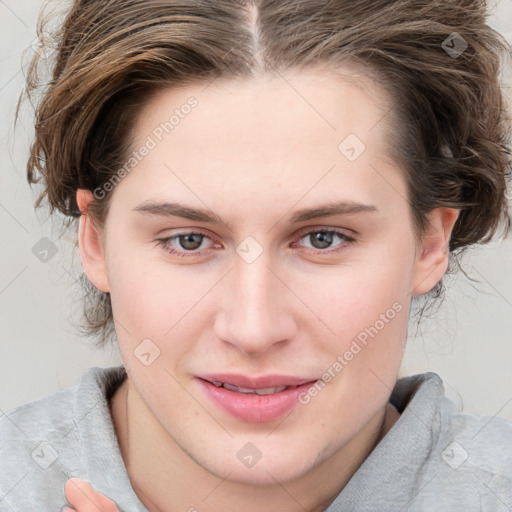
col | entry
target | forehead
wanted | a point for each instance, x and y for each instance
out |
(285, 131)
(319, 107)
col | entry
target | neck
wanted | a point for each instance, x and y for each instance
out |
(166, 479)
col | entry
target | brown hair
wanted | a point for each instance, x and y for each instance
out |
(439, 61)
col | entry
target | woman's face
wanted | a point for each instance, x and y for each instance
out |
(263, 240)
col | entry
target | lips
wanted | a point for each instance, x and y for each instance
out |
(256, 400)
(260, 391)
(267, 381)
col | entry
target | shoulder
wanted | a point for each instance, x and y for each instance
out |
(477, 452)
(57, 414)
(434, 458)
(469, 463)
(40, 442)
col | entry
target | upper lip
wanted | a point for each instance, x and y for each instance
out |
(263, 382)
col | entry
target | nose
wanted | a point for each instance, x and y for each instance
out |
(255, 310)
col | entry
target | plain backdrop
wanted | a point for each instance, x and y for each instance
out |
(468, 341)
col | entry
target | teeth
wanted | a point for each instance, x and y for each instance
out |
(263, 391)
(270, 391)
(244, 390)
(236, 388)
(230, 387)
(217, 383)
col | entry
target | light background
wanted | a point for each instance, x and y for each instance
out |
(468, 341)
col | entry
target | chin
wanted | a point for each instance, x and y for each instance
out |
(280, 467)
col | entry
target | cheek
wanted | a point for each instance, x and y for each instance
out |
(367, 306)
(154, 300)
(374, 335)
(353, 296)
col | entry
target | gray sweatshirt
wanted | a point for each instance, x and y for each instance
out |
(433, 459)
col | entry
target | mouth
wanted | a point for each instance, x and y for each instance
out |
(254, 391)
(255, 400)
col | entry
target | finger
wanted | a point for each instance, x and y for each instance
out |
(86, 499)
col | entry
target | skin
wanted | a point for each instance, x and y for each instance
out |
(255, 152)
(84, 498)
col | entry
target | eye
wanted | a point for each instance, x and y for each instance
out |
(191, 244)
(322, 239)
(184, 244)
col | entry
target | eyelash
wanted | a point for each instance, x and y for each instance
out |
(164, 242)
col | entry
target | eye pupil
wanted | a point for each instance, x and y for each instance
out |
(321, 239)
(191, 241)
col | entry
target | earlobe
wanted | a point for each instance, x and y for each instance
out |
(92, 252)
(432, 257)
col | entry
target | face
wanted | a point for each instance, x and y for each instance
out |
(259, 244)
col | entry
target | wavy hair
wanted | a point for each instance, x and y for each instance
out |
(451, 134)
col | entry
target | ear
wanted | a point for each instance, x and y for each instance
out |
(92, 252)
(431, 262)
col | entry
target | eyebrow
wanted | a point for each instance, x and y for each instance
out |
(337, 208)
(166, 209)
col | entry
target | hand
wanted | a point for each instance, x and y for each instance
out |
(85, 499)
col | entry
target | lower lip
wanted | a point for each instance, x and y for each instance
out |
(255, 408)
